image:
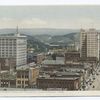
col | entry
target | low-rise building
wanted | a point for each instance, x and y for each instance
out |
(51, 65)
(7, 80)
(63, 81)
(27, 75)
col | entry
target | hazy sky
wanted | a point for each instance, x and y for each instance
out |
(50, 16)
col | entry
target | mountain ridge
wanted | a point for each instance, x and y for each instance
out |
(41, 42)
(39, 31)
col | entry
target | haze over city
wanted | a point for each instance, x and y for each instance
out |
(67, 17)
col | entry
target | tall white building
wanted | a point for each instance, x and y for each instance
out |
(83, 44)
(89, 44)
(13, 48)
(92, 43)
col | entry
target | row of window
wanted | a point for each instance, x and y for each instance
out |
(69, 86)
(22, 76)
(7, 41)
(19, 82)
(7, 55)
(7, 49)
(3, 53)
(56, 82)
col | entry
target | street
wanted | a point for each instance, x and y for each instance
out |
(94, 84)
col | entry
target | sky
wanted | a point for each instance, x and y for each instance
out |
(66, 17)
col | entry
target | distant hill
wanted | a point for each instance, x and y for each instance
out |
(59, 39)
(41, 39)
(36, 44)
(32, 42)
(39, 31)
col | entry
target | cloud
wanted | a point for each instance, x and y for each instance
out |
(22, 23)
(74, 23)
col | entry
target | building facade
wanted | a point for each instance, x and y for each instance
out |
(7, 79)
(83, 44)
(14, 47)
(92, 44)
(62, 81)
(89, 44)
(26, 76)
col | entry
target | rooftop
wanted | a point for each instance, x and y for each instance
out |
(66, 73)
(26, 67)
(53, 62)
(62, 75)
(72, 52)
(11, 35)
(74, 69)
(7, 76)
(61, 78)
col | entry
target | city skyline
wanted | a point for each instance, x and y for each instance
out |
(67, 17)
(53, 48)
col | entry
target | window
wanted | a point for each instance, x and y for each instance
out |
(18, 76)
(22, 76)
(22, 82)
(26, 82)
(26, 76)
(19, 82)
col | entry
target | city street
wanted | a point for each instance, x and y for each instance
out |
(95, 85)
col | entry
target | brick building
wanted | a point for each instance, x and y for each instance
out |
(64, 81)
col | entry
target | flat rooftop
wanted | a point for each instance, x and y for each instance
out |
(60, 75)
(66, 73)
(11, 35)
(27, 66)
(7, 76)
(53, 62)
(60, 78)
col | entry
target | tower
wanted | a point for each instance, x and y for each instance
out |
(83, 44)
(13, 50)
(92, 44)
(89, 44)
